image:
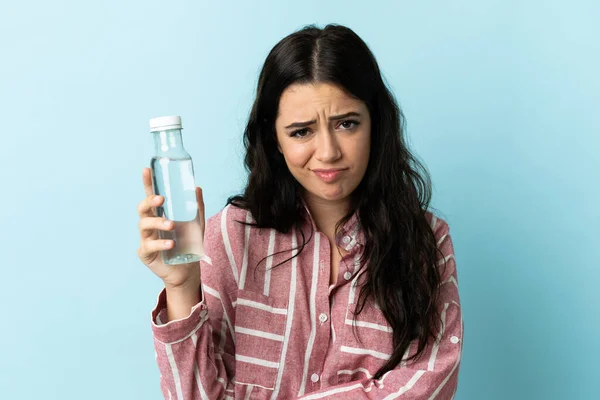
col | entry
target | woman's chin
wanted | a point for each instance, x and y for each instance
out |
(333, 195)
(329, 193)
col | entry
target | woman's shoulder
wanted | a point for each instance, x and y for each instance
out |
(441, 231)
(231, 217)
(439, 225)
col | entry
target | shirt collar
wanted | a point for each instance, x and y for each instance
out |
(350, 234)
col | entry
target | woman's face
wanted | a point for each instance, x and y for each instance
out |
(325, 137)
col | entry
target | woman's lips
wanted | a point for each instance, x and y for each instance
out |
(328, 175)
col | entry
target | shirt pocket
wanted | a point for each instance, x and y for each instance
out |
(260, 323)
(366, 343)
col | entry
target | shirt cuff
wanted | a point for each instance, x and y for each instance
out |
(179, 329)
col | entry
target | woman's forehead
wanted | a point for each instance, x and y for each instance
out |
(300, 101)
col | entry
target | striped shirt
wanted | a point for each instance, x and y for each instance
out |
(284, 333)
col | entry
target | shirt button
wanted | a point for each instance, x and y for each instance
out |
(454, 339)
(346, 239)
(347, 275)
(314, 378)
(322, 317)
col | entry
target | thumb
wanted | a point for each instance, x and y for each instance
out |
(200, 199)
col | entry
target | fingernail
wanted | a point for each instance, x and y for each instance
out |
(168, 244)
(167, 223)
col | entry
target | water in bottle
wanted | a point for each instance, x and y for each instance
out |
(173, 178)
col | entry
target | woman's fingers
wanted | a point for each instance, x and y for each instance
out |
(149, 248)
(147, 181)
(149, 225)
(146, 206)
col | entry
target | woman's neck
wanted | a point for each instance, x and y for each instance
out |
(326, 214)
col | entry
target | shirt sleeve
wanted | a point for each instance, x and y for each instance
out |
(196, 354)
(435, 374)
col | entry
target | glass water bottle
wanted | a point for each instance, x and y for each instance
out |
(173, 178)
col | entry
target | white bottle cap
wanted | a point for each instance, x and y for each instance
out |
(165, 123)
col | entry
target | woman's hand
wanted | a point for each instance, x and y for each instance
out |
(181, 277)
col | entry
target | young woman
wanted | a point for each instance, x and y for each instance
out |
(328, 277)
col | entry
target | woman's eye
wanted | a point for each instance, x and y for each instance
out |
(349, 124)
(299, 133)
(346, 125)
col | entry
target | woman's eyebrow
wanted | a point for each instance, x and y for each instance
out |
(332, 118)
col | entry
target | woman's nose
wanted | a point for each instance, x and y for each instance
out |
(328, 149)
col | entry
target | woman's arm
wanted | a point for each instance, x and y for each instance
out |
(180, 300)
(193, 338)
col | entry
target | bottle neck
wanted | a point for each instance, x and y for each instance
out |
(169, 144)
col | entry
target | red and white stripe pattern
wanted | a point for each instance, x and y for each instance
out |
(281, 333)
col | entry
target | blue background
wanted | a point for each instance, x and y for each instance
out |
(501, 100)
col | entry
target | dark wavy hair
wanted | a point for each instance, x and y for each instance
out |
(391, 201)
